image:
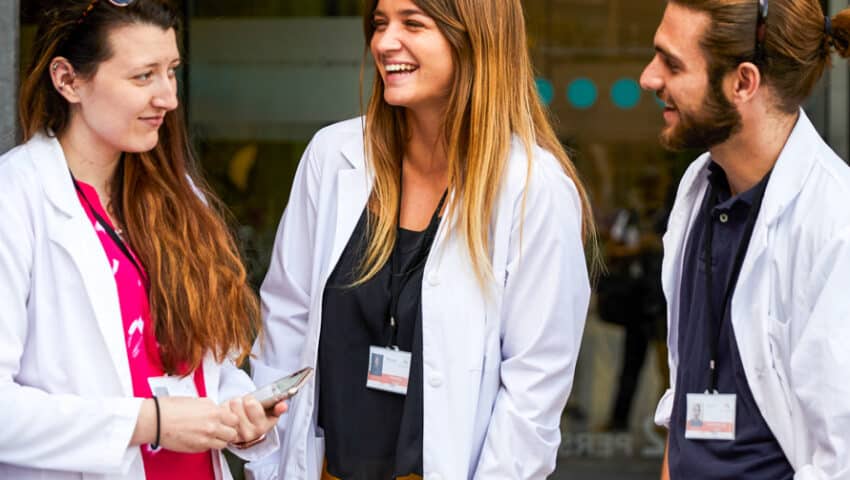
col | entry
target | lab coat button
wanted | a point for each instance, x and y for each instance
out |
(436, 380)
(435, 476)
(433, 279)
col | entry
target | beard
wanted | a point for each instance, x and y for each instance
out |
(713, 123)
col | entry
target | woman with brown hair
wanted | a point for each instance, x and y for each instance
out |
(124, 302)
(430, 262)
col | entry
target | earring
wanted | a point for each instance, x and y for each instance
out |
(55, 66)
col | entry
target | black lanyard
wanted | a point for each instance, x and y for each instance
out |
(109, 230)
(396, 275)
(714, 320)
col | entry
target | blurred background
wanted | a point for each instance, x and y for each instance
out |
(261, 76)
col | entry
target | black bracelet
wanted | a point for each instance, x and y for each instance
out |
(155, 444)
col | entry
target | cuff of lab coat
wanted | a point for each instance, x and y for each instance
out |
(261, 450)
(114, 444)
(665, 409)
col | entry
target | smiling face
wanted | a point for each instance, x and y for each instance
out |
(124, 103)
(413, 57)
(696, 112)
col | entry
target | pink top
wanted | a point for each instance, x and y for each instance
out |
(143, 349)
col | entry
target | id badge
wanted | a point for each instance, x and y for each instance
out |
(710, 416)
(389, 370)
(173, 386)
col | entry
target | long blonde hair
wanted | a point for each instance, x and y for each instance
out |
(494, 91)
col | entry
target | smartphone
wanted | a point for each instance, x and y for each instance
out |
(283, 388)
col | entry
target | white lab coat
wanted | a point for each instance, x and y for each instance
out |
(66, 401)
(791, 307)
(497, 369)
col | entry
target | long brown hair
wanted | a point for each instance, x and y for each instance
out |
(494, 90)
(797, 47)
(199, 297)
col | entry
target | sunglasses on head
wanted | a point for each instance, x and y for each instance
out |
(117, 3)
(761, 29)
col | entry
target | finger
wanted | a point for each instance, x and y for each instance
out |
(233, 414)
(243, 427)
(255, 412)
(234, 405)
(216, 444)
(280, 408)
(226, 434)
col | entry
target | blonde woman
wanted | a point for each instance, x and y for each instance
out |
(430, 263)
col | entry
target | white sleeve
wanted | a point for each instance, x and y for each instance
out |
(543, 315)
(38, 429)
(285, 292)
(819, 364)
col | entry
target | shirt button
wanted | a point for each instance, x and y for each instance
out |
(435, 380)
(724, 218)
(433, 279)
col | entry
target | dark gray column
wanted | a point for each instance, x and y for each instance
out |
(838, 106)
(9, 48)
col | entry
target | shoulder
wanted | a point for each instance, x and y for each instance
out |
(826, 191)
(331, 145)
(339, 137)
(341, 131)
(541, 182)
(19, 174)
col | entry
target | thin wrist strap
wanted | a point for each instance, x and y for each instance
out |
(155, 444)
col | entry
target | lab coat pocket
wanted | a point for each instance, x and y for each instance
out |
(488, 383)
(316, 454)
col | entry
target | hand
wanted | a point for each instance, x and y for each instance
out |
(254, 420)
(187, 425)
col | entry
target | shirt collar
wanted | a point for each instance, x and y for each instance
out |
(720, 184)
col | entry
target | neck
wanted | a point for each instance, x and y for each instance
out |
(90, 160)
(425, 150)
(752, 152)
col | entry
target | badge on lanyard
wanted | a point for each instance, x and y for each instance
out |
(389, 367)
(389, 370)
(173, 386)
(710, 416)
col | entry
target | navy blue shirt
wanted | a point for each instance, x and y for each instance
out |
(754, 454)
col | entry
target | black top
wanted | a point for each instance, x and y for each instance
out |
(372, 434)
(754, 454)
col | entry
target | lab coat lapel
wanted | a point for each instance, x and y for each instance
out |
(353, 186)
(790, 172)
(71, 230)
(680, 223)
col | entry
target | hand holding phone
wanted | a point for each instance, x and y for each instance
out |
(282, 389)
(258, 412)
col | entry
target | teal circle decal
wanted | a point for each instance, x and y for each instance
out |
(625, 93)
(582, 93)
(545, 90)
